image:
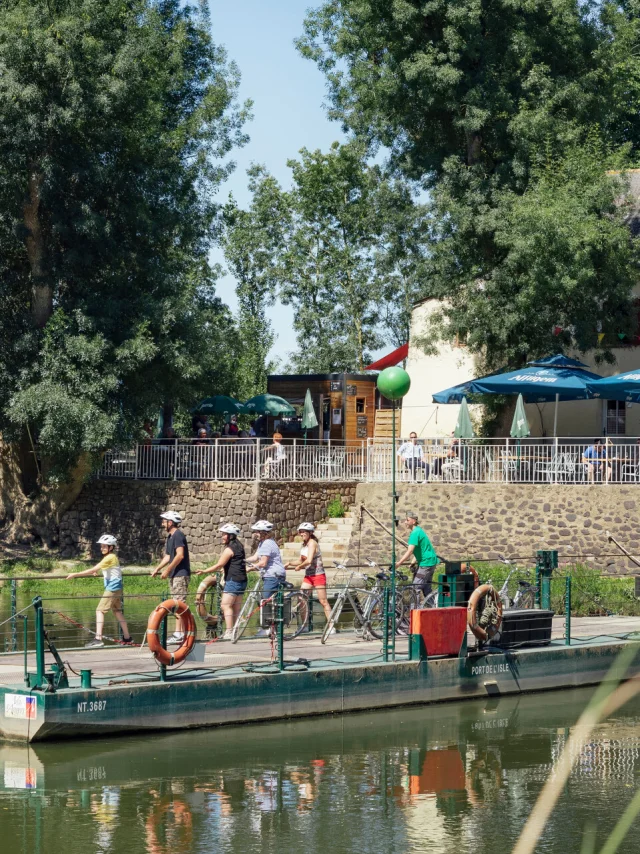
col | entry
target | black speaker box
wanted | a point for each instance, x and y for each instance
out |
(526, 627)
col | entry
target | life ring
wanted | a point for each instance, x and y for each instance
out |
(484, 612)
(476, 579)
(179, 609)
(201, 607)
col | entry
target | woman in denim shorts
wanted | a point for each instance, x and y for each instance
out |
(233, 562)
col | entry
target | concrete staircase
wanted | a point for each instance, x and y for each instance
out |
(333, 536)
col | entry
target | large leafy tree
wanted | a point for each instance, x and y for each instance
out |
(480, 100)
(115, 120)
(251, 240)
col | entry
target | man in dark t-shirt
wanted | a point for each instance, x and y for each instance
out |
(175, 565)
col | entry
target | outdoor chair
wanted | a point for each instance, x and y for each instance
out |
(630, 472)
(452, 471)
(494, 473)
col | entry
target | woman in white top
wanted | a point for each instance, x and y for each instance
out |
(277, 457)
(311, 561)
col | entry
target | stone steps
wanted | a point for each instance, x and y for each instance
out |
(333, 535)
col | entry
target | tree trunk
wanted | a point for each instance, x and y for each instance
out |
(42, 292)
(27, 518)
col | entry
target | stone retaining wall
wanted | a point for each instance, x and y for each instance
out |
(131, 510)
(484, 520)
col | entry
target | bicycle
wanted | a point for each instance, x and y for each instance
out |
(525, 597)
(296, 617)
(369, 614)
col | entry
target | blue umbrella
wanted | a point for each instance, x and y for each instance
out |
(553, 378)
(619, 387)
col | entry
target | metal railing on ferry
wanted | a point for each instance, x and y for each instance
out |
(551, 461)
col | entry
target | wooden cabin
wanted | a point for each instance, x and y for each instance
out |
(346, 405)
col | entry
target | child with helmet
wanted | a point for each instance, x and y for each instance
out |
(233, 562)
(111, 600)
(311, 561)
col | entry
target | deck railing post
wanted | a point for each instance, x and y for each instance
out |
(567, 611)
(295, 459)
(25, 636)
(215, 459)
(280, 626)
(175, 459)
(385, 637)
(40, 678)
(137, 460)
(14, 611)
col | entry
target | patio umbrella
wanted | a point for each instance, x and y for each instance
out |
(269, 404)
(309, 420)
(219, 404)
(619, 387)
(519, 425)
(464, 428)
(553, 378)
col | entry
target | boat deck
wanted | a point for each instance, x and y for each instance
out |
(115, 663)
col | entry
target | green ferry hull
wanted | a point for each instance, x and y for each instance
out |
(325, 688)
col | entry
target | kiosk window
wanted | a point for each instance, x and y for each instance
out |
(360, 402)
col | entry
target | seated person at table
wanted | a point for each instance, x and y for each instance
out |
(411, 455)
(593, 457)
(450, 455)
(275, 455)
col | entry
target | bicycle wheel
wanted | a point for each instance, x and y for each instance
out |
(527, 600)
(299, 615)
(375, 623)
(406, 600)
(431, 601)
(243, 618)
(333, 618)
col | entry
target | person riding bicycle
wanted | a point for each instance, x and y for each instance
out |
(422, 552)
(233, 562)
(269, 561)
(311, 562)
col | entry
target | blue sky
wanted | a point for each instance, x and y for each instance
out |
(288, 94)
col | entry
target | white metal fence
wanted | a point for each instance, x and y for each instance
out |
(564, 460)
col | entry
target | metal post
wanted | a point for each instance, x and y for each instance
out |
(25, 620)
(392, 616)
(14, 611)
(295, 460)
(175, 459)
(37, 604)
(538, 583)
(215, 459)
(567, 611)
(257, 458)
(385, 636)
(137, 460)
(163, 643)
(280, 627)
(310, 620)
(329, 454)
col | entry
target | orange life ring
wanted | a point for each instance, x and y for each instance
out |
(484, 627)
(179, 609)
(468, 568)
(201, 607)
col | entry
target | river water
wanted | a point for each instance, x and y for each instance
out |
(447, 779)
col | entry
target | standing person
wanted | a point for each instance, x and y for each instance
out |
(175, 565)
(311, 561)
(422, 553)
(111, 600)
(412, 455)
(233, 562)
(269, 561)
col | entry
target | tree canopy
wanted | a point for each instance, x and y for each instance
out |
(510, 112)
(116, 119)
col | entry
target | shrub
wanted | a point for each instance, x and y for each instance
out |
(336, 509)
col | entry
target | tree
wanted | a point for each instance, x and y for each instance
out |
(470, 97)
(251, 240)
(350, 264)
(115, 120)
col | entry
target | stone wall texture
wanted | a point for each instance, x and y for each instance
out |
(131, 511)
(515, 520)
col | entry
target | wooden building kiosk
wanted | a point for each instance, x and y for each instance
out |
(346, 405)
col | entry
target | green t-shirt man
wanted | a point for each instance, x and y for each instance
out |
(422, 549)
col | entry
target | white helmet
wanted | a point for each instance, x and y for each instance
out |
(107, 540)
(262, 525)
(172, 516)
(230, 528)
(307, 526)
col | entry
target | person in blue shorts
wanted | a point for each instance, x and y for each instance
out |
(233, 562)
(269, 561)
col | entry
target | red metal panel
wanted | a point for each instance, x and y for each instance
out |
(442, 629)
(391, 359)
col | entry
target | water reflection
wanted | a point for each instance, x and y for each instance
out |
(445, 779)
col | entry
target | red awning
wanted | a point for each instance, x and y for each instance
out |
(391, 359)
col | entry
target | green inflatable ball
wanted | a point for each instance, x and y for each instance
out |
(393, 383)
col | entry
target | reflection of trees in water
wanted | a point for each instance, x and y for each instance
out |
(460, 795)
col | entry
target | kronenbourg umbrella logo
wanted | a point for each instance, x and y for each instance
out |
(538, 377)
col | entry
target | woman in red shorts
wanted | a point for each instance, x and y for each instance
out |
(311, 562)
